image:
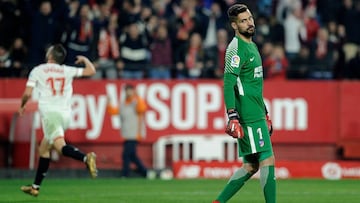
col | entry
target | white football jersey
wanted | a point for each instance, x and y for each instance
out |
(54, 83)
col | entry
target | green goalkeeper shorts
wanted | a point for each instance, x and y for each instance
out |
(258, 157)
(256, 138)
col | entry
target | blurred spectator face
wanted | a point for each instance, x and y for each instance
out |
(215, 9)
(157, 5)
(195, 40)
(133, 31)
(323, 34)
(310, 12)
(278, 52)
(304, 52)
(332, 27)
(18, 43)
(105, 9)
(185, 4)
(126, 5)
(222, 36)
(146, 13)
(129, 91)
(45, 8)
(348, 3)
(109, 2)
(2, 51)
(85, 11)
(263, 26)
(162, 33)
(341, 31)
(297, 12)
(267, 49)
(163, 21)
(114, 17)
(153, 22)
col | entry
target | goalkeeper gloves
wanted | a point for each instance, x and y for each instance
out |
(269, 124)
(233, 127)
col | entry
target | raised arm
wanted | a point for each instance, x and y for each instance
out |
(89, 69)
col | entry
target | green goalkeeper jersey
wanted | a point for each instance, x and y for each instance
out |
(243, 80)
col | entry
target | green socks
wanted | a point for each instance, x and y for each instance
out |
(268, 183)
(236, 181)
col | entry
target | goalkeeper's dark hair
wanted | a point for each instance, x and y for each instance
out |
(58, 53)
(234, 11)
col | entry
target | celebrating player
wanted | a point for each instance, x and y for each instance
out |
(248, 118)
(54, 82)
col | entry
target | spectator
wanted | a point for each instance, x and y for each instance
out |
(286, 7)
(348, 24)
(80, 36)
(191, 63)
(276, 32)
(322, 56)
(6, 63)
(43, 30)
(102, 14)
(215, 21)
(10, 22)
(337, 37)
(5, 60)
(214, 57)
(161, 55)
(134, 53)
(327, 10)
(294, 27)
(311, 23)
(266, 50)
(262, 31)
(349, 17)
(108, 51)
(300, 65)
(133, 130)
(276, 64)
(159, 7)
(265, 7)
(129, 12)
(18, 52)
(182, 24)
(353, 67)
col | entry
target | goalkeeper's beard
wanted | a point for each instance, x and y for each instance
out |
(248, 33)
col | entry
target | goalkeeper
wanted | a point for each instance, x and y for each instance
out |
(248, 122)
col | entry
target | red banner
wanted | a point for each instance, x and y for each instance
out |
(302, 112)
(284, 169)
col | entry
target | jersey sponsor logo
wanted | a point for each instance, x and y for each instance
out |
(235, 61)
(252, 59)
(258, 72)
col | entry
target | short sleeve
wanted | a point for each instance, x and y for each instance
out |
(73, 71)
(33, 78)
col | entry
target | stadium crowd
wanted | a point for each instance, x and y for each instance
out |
(163, 39)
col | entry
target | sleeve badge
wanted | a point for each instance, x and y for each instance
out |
(235, 61)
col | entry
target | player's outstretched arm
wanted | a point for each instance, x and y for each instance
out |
(24, 99)
(89, 69)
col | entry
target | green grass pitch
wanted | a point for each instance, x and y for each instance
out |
(176, 191)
